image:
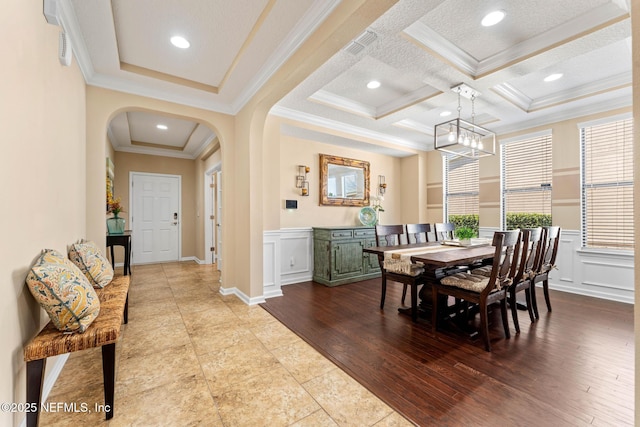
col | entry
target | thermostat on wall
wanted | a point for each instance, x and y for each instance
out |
(291, 204)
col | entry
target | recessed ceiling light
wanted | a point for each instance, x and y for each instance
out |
(445, 113)
(553, 77)
(373, 84)
(180, 42)
(162, 127)
(493, 18)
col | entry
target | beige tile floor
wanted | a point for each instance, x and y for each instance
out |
(192, 357)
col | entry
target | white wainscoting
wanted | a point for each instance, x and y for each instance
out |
(596, 273)
(288, 258)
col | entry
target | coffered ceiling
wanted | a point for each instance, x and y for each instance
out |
(418, 50)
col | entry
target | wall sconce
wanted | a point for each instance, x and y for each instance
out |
(382, 185)
(302, 182)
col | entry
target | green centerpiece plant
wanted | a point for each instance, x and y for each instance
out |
(465, 233)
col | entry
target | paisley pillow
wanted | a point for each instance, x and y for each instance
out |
(64, 293)
(92, 263)
(52, 256)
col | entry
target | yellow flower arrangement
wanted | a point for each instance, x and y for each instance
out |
(114, 206)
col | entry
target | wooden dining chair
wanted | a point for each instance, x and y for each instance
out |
(393, 235)
(547, 263)
(482, 290)
(418, 233)
(530, 254)
(444, 231)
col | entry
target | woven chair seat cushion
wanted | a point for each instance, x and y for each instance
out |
(412, 270)
(470, 282)
(483, 271)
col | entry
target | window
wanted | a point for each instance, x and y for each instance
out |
(461, 191)
(526, 181)
(607, 184)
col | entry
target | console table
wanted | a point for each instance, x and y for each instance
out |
(121, 240)
(338, 255)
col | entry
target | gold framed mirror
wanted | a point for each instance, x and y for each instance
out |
(343, 181)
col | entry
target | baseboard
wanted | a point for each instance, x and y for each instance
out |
(589, 293)
(307, 277)
(243, 297)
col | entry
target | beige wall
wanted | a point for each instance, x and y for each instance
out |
(42, 117)
(102, 106)
(566, 175)
(130, 162)
(404, 196)
(346, 21)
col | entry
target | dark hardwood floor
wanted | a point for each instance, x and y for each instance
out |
(574, 366)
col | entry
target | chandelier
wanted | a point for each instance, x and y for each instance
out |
(462, 138)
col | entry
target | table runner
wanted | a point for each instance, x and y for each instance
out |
(399, 260)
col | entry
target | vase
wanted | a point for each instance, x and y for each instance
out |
(115, 225)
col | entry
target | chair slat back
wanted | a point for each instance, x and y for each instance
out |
(507, 244)
(444, 231)
(389, 235)
(418, 233)
(550, 249)
(530, 253)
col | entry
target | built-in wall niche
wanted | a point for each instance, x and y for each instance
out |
(110, 176)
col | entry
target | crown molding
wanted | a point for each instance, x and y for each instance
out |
(573, 113)
(342, 127)
(593, 20)
(303, 29)
(434, 42)
(342, 103)
(415, 126)
(526, 104)
(155, 152)
(345, 104)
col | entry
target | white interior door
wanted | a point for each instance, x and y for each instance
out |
(219, 219)
(212, 217)
(155, 217)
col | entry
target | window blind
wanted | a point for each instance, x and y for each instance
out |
(526, 178)
(607, 185)
(462, 186)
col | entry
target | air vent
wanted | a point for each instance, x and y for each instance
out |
(360, 42)
(354, 48)
(366, 38)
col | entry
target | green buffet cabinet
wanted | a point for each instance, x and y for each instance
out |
(338, 256)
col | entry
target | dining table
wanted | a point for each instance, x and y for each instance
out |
(439, 259)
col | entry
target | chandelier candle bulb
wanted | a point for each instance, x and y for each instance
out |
(472, 141)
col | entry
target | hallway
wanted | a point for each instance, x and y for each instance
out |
(190, 356)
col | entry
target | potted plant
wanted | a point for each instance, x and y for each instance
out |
(465, 234)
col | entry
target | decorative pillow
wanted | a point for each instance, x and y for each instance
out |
(92, 263)
(52, 256)
(64, 293)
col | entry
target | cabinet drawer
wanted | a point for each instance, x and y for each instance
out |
(369, 232)
(341, 234)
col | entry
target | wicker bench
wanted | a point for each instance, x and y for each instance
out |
(103, 332)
